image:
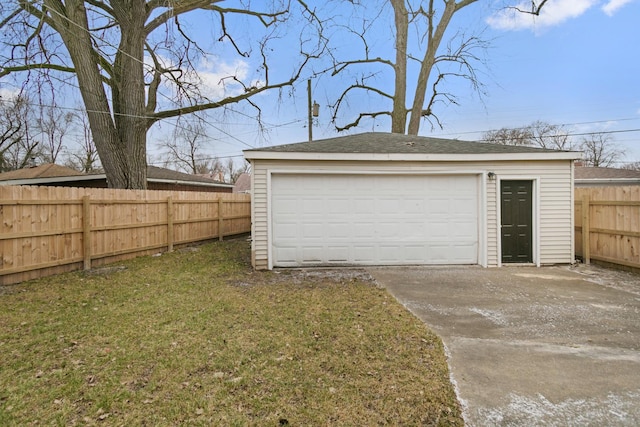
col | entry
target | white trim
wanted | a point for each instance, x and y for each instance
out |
(482, 255)
(253, 223)
(269, 224)
(535, 214)
(280, 155)
(483, 224)
(404, 171)
(573, 213)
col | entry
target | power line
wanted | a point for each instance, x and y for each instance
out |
(559, 125)
(159, 162)
(172, 123)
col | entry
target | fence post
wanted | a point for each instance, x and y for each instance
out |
(586, 230)
(86, 231)
(169, 224)
(220, 219)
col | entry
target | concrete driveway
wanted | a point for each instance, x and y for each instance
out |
(553, 346)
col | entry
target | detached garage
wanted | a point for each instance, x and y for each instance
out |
(389, 199)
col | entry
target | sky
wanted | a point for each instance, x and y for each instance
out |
(576, 65)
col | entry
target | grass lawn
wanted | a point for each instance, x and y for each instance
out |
(196, 337)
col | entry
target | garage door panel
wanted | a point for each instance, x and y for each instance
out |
(363, 206)
(414, 254)
(285, 205)
(312, 253)
(414, 206)
(337, 230)
(287, 255)
(311, 205)
(386, 206)
(313, 230)
(363, 231)
(374, 219)
(389, 254)
(286, 231)
(364, 254)
(338, 253)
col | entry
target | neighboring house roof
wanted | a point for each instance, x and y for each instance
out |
(377, 145)
(243, 184)
(47, 170)
(155, 173)
(585, 175)
(59, 174)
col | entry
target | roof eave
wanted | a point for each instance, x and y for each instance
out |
(58, 179)
(279, 155)
(53, 179)
(607, 180)
(194, 183)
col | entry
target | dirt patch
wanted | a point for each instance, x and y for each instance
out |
(304, 276)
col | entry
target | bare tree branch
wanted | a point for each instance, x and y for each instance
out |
(535, 9)
(356, 122)
(106, 44)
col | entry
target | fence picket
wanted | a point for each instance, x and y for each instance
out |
(610, 229)
(49, 230)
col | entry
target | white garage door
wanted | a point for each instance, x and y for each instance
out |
(374, 219)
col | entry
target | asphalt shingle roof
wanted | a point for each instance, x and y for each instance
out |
(155, 172)
(46, 170)
(50, 170)
(585, 172)
(386, 143)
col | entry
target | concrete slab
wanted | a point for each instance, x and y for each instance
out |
(553, 346)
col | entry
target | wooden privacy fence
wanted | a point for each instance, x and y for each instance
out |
(607, 222)
(49, 230)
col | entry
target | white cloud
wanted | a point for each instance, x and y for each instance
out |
(612, 6)
(8, 94)
(553, 13)
(213, 76)
(216, 78)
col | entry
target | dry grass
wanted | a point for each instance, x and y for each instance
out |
(198, 338)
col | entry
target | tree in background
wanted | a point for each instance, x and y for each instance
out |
(53, 125)
(509, 136)
(135, 62)
(17, 146)
(84, 158)
(600, 150)
(184, 148)
(537, 134)
(233, 171)
(12, 128)
(634, 166)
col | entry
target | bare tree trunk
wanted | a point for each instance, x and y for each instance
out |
(399, 113)
(129, 97)
(79, 45)
(434, 39)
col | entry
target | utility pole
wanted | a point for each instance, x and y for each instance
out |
(309, 107)
(314, 110)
